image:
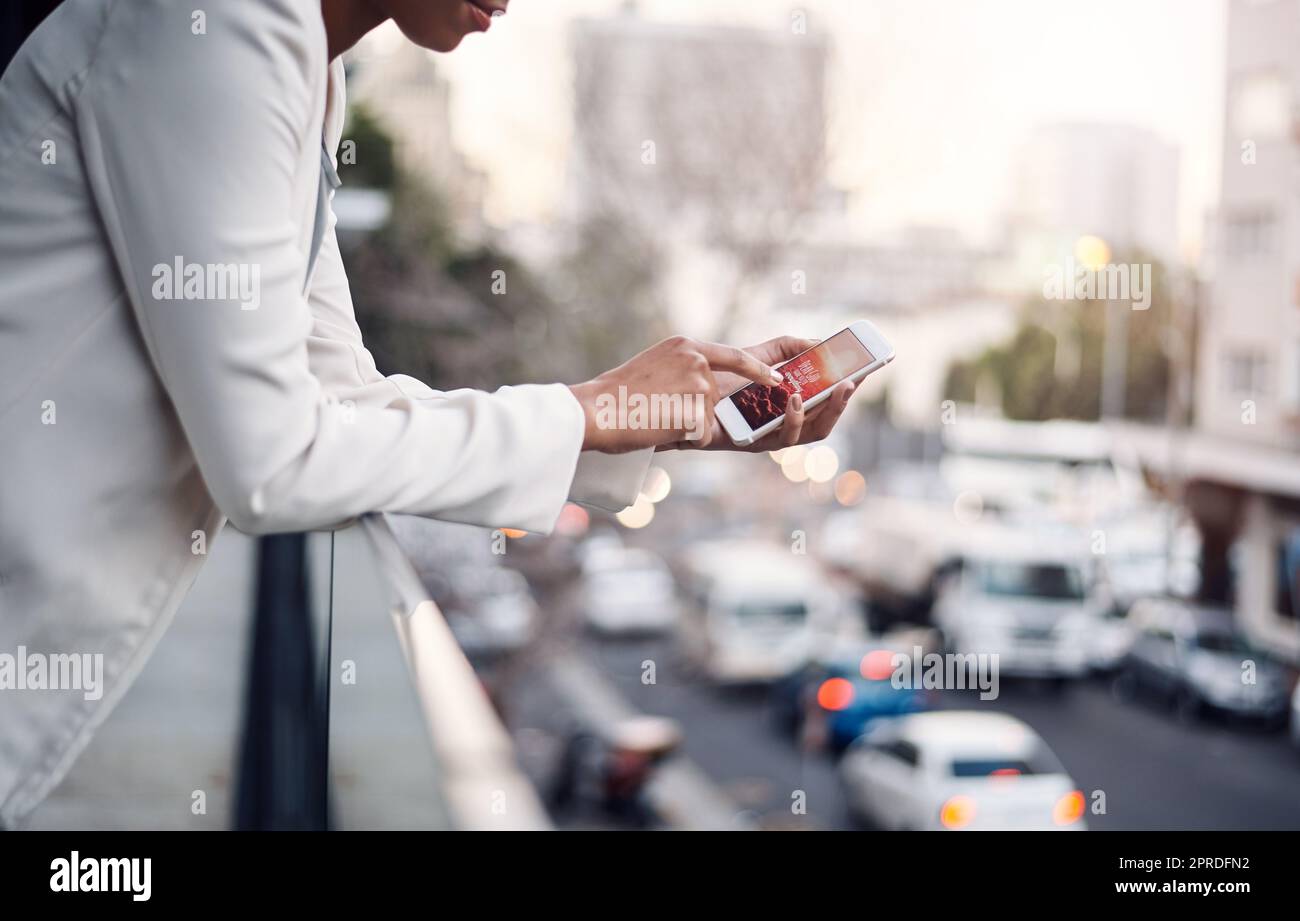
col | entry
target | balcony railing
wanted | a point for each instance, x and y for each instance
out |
(307, 682)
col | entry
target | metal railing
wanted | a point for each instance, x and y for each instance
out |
(342, 702)
(480, 782)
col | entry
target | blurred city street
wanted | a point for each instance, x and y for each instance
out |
(1155, 770)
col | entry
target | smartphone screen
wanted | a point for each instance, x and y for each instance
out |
(807, 374)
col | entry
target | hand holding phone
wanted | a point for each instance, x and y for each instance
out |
(663, 396)
(753, 411)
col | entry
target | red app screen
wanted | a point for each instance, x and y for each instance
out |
(808, 374)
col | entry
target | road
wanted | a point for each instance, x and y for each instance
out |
(1155, 772)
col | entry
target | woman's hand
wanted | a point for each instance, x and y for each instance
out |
(799, 427)
(666, 395)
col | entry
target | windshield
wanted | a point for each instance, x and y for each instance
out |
(633, 582)
(1041, 762)
(789, 611)
(1032, 580)
(1221, 642)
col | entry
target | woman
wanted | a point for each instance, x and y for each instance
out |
(178, 346)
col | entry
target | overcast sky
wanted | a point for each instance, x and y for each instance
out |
(929, 97)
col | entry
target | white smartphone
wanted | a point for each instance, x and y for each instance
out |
(850, 355)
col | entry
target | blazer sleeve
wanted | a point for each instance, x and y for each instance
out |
(192, 146)
(340, 360)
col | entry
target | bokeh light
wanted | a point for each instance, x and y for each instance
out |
(968, 507)
(638, 514)
(792, 465)
(573, 521)
(877, 665)
(820, 493)
(1069, 808)
(835, 694)
(850, 488)
(821, 463)
(957, 812)
(657, 484)
(1091, 252)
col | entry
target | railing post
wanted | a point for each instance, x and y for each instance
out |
(283, 769)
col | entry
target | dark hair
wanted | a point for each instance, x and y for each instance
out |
(19, 19)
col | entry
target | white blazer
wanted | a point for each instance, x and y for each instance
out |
(134, 413)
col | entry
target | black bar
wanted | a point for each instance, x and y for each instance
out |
(283, 765)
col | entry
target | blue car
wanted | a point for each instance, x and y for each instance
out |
(832, 702)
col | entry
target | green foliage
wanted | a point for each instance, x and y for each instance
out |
(373, 165)
(1052, 366)
(608, 289)
(474, 316)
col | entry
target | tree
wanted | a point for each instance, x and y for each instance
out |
(1052, 366)
(428, 306)
(720, 176)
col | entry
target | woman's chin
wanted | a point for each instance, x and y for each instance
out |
(440, 40)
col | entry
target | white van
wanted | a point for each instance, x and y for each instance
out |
(755, 611)
(1031, 600)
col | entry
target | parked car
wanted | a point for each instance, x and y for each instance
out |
(628, 592)
(835, 698)
(958, 770)
(1152, 549)
(1190, 655)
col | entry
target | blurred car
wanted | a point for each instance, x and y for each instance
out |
(599, 547)
(840, 696)
(1295, 716)
(958, 770)
(1058, 472)
(628, 592)
(1109, 640)
(1151, 550)
(491, 610)
(1024, 597)
(754, 611)
(1190, 655)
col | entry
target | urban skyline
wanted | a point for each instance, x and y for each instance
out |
(959, 102)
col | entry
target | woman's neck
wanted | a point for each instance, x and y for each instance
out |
(346, 21)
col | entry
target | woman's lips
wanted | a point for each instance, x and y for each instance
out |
(482, 18)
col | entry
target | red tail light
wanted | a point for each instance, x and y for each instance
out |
(1069, 808)
(835, 694)
(957, 812)
(877, 665)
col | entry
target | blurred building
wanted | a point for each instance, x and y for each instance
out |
(1238, 468)
(934, 293)
(919, 268)
(401, 87)
(707, 141)
(1249, 360)
(1117, 182)
(672, 117)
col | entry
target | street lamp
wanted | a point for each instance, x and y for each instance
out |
(1093, 253)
